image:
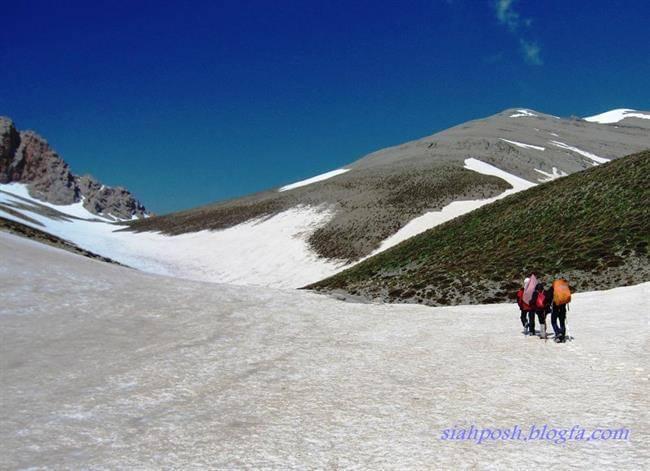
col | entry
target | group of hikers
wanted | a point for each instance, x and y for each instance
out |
(534, 300)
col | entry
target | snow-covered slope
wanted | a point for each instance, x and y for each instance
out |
(107, 368)
(615, 116)
(268, 251)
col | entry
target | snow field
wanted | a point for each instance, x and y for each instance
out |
(267, 251)
(106, 367)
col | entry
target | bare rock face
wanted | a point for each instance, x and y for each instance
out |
(98, 197)
(48, 176)
(9, 141)
(26, 157)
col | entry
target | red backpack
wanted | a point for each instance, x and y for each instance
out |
(540, 303)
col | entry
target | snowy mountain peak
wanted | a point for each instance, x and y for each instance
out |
(521, 113)
(617, 115)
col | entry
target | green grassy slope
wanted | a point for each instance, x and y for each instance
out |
(592, 227)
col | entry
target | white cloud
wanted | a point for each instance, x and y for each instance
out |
(506, 14)
(532, 52)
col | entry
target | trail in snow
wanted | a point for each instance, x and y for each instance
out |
(522, 145)
(105, 367)
(457, 208)
(589, 155)
(614, 116)
(317, 178)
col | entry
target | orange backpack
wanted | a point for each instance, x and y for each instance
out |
(561, 292)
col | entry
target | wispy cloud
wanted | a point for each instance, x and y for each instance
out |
(531, 51)
(508, 16)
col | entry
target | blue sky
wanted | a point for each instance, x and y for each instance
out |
(187, 103)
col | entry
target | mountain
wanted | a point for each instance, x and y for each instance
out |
(27, 159)
(304, 232)
(373, 198)
(592, 227)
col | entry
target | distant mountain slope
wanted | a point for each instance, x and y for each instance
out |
(592, 227)
(381, 193)
(27, 158)
(304, 232)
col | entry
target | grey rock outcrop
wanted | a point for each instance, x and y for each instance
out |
(26, 157)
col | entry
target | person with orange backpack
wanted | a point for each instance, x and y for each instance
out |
(561, 297)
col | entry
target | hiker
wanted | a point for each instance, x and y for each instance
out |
(541, 304)
(523, 307)
(529, 289)
(561, 297)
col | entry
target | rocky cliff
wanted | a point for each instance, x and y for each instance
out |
(25, 157)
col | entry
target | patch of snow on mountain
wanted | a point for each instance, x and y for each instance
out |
(589, 155)
(75, 209)
(614, 116)
(551, 176)
(270, 251)
(457, 208)
(521, 144)
(317, 178)
(517, 183)
(522, 113)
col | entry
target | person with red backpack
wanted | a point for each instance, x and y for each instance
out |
(529, 290)
(541, 304)
(523, 308)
